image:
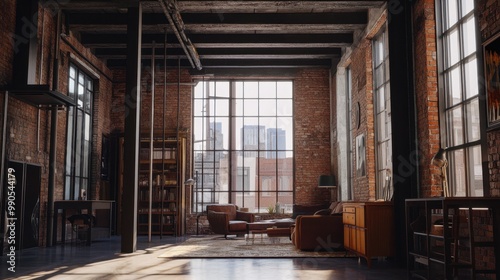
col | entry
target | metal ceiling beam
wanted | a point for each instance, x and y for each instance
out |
(174, 18)
(248, 6)
(194, 6)
(215, 39)
(226, 45)
(229, 28)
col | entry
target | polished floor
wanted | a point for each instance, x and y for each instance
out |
(103, 260)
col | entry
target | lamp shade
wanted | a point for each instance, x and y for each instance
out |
(326, 181)
(189, 182)
(439, 159)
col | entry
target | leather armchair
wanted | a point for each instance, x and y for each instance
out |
(226, 219)
(318, 232)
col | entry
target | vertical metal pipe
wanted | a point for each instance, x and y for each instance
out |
(151, 142)
(52, 180)
(131, 132)
(3, 158)
(180, 180)
(163, 126)
(55, 75)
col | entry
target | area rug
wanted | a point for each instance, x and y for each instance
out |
(219, 247)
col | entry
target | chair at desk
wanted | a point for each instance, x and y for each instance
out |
(81, 225)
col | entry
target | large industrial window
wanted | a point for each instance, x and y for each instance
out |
(77, 171)
(382, 105)
(459, 98)
(243, 144)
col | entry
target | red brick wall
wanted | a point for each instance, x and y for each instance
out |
(8, 23)
(29, 142)
(427, 105)
(362, 92)
(489, 23)
(312, 134)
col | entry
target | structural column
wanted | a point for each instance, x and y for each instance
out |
(131, 133)
(404, 142)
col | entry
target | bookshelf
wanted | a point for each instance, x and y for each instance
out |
(161, 192)
(448, 240)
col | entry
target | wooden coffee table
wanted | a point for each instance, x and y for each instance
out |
(272, 228)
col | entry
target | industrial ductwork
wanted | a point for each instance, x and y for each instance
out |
(174, 18)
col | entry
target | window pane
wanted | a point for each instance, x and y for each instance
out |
(469, 36)
(467, 6)
(471, 82)
(86, 146)
(251, 107)
(199, 89)
(453, 48)
(285, 107)
(475, 171)
(455, 125)
(251, 90)
(222, 107)
(88, 101)
(222, 89)
(69, 142)
(67, 188)
(267, 89)
(267, 107)
(473, 126)
(457, 173)
(284, 89)
(221, 137)
(451, 12)
(81, 95)
(285, 128)
(239, 89)
(71, 88)
(238, 133)
(198, 107)
(380, 93)
(77, 149)
(379, 76)
(453, 81)
(76, 194)
(72, 72)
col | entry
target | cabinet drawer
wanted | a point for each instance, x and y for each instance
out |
(349, 209)
(349, 218)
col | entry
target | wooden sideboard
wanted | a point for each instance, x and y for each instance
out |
(369, 229)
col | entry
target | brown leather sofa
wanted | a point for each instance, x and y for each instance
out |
(321, 231)
(226, 219)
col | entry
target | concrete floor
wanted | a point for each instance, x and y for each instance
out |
(103, 260)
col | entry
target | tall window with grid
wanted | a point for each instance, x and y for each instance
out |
(459, 95)
(77, 171)
(243, 139)
(382, 99)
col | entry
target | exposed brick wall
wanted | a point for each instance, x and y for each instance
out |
(489, 23)
(426, 87)
(28, 129)
(8, 23)
(312, 134)
(362, 92)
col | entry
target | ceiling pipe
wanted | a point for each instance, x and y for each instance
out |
(174, 18)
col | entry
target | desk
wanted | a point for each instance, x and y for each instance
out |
(89, 205)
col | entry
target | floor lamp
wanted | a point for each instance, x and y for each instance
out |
(191, 182)
(440, 160)
(327, 181)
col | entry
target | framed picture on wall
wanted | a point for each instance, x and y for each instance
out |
(360, 155)
(492, 80)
